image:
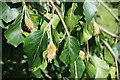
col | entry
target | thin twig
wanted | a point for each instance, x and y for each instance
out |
(111, 50)
(116, 59)
(88, 52)
(51, 24)
(117, 69)
(62, 38)
(87, 47)
(108, 32)
(60, 17)
(75, 71)
(108, 9)
(48, 76)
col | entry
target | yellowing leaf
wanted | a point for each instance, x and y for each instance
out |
(25, 33)
(29, 23)
(51, 52)
(112, 72)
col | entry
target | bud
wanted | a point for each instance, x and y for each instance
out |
(51, 52)
(82, 55)
(96, 29)
(29, 23)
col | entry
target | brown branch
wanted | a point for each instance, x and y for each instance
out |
(60, 17)
(116, 59)
(109, 33)
(51, 24)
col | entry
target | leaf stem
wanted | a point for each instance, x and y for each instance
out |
(117, 69)
(60, 17)
(116, 59)
(51, 25)
(87, 47)
(75, 71)
(108, 9)
(23, 3)
(62, 38)
(88, 52)
(48, 76)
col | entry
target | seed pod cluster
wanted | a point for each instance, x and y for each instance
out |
(51, 52)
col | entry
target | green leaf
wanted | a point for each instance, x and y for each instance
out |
(104, 16)
(70, 51)
(85, 34)
(71, 19)
(14, 34)
(55, 21)
(37, 73)
(112, 72)
(63, 9)
(108, 56)
(80, 67)
(56, 37)
(90, 8)
(0, 9)
(34, 46)
(90, 70)
(116, 49)
(8, 14)
(56, 63)
(102, 68)
(2, 25)
(36, 18)
(98, 44)
(44, 64)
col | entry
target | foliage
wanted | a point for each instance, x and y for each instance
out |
(60, 39)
